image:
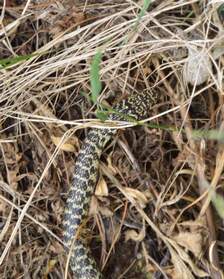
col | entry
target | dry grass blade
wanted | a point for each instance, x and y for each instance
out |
(170, 164)
(24, 210)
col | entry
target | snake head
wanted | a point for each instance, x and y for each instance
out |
(136, 106)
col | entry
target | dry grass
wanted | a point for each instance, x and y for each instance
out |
(154, 218)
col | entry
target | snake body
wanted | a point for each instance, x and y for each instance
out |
(84, 181)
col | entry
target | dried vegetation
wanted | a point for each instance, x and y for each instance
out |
(152, 216)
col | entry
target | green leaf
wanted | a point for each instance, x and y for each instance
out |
(102, 115)
(96, 85)
(221, 12)
(7, 62)
(144, 8)
(209, 134)
(218, 202)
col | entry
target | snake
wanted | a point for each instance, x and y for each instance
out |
(84, 180)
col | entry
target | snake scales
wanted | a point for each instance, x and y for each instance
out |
(85, 178)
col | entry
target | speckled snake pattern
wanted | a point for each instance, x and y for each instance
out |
(85, 177)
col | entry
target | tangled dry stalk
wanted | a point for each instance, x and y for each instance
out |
(158, 208)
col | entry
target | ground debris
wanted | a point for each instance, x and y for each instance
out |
(152, 214)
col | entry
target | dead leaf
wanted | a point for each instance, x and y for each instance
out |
(70, 145)
(184, 263)
(110, 164)
(105, 211)
(50, 266)
(198, 66)
(192, 241)
(94, 206)
(181, 271)
(3, 205)
(135, 195)
(101, 188)
(133, 235)
(56, 248)
(218, 51)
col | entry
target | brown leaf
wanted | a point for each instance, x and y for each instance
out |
(94, 206)
(105, 211)
(197, 67)
(133, 235)
(50, 266)
(3, 205)
(135, 195)
(101, 188)
(110, 165)
(192, 241)
(181, 271)
(70, 145)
